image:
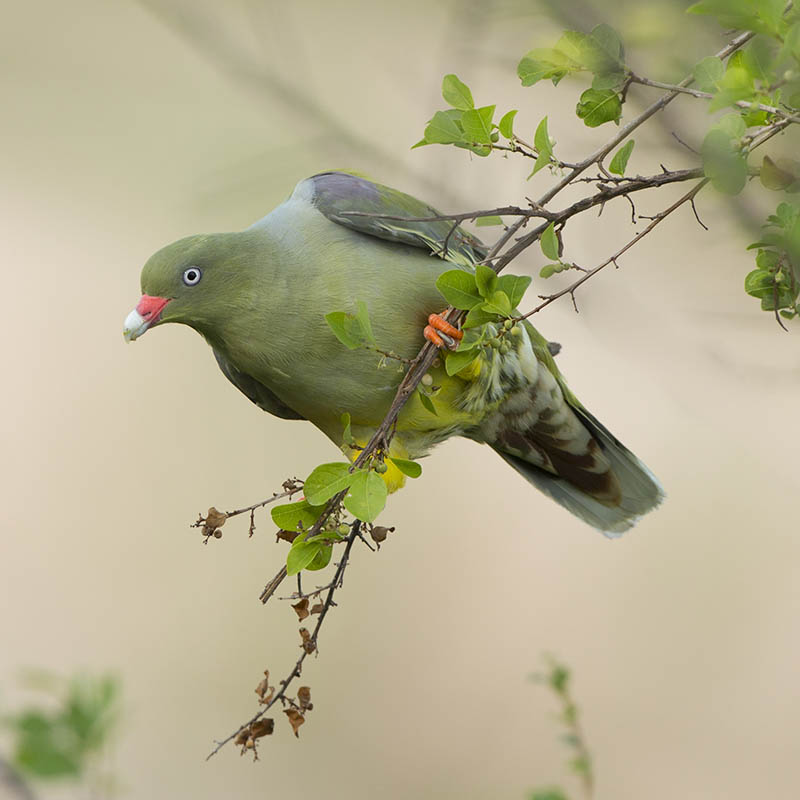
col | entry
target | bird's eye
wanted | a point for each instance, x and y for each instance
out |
(191, 276)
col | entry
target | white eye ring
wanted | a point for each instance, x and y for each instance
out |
(191, 276)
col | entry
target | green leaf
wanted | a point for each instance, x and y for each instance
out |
(620, 160)
(541, 141)
(290, 516)
(456, 93)
(548, 270)
(477, 124)
(759, 283)
(367, 495)
(455, 362)
(347, 433)
(723, 163)
(301, 555)
(732, 124)
(552, 62)
(514, 286)
(708, 74)
(506, 124)
(596, 107)
(759, 59)
(459, 288)
(736, 84)
(486, 280)
(442, 129)
(472, 337)
(549, 242)
(477, 317)
(346, 329)
(482, 222)
(427, 403)
(321, 559)
(362, 317)
(499, 303)
(326, 480)
(407, 467)
(783, 175)
(602, 51)
(609, 80)
(761, 16)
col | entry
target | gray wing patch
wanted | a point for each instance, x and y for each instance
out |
(337, 193)
(254, 390)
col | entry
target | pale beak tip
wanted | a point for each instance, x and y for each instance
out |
(135, 326)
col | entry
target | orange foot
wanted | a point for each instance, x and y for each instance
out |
(447, 336)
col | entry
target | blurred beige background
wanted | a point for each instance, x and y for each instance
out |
(126, 126)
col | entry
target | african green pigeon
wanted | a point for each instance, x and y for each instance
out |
(259, 298)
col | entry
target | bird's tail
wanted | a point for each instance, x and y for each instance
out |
(639, 490)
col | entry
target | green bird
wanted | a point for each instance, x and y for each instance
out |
(259, 298)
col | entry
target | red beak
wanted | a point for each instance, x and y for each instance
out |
(150, 308)
(146, 313)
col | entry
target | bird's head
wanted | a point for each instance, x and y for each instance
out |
(184, 282)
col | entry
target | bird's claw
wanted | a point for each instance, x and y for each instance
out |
(441, 333)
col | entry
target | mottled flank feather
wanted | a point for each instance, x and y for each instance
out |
(528, 418)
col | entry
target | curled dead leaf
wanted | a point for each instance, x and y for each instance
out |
(379, 533)
(307, 645)
(301, 609)
(317, 608)
(287, 536)
(262, 727)
(215, 519)
(304, 698)
(296, 719)
(264, 690)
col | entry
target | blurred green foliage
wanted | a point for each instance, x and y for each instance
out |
(59, 737)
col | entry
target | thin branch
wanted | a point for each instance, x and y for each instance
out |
(308, 647)
(570, 290)
(777, 112)
(621, 187)
(630, 127)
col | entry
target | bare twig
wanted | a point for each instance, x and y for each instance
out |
(777, 112)
(570, 290)
(308, 647)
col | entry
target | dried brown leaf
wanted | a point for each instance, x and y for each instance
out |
(308, 645)
(215, 519)
(287, 536)
(317, 608)
(242, 737)
(296, 719)
(262, 727)
(304, 698)
(301, 609)
(264, 690)
(379, 533)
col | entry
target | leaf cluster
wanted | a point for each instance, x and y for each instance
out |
(464, 125)
(776, 279)
(490, 299)
(599, 53)
(365, 498)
